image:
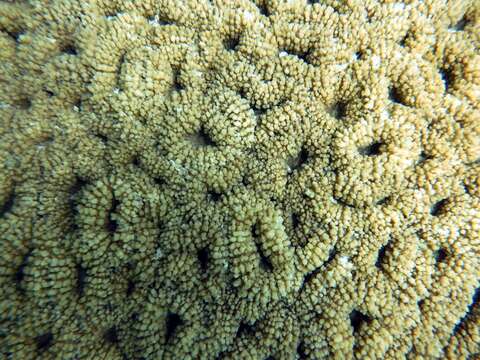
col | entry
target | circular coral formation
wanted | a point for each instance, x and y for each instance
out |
(223, 179)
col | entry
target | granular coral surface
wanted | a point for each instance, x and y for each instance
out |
(240, 179)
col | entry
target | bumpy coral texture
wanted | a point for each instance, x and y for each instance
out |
(241, 179)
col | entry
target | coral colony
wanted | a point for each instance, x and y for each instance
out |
(236, 179)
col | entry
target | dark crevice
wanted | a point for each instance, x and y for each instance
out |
(203, 258)
(77, 186)
(78, 104)
(103, 138)
(130, 287)
(15, 35)
(161, 229)
(24, 103)
(475, 300)
(263, 9)
(81, 277)
(159, 181)
(308, 277)
(242, 92)
(245, 181)
(44, 341)
(420, 304)
(189, 218)
(277, 133)
(338, 110)
(448, 77)
(439, 207)
(459, 325)
(135, 316)
(7, 204)
(231, 43)
(135, 161)
(258, 112)
(49, 93)
(460, 25)
(111, 224)
(173, 321)
(214, 196)
(245, 329)
(221, 356)
(159, 20)
(382, 255)
(121, 61)
(311, 2)
(69, 49)
(440, 255)
(394, 95)
(359, 55)
(176, 80)
(111, 13)
(20, 273)
(331, 256)
(301, 351)
(383, 201)
(111, 335)
(298, 161)
(358, 319)
(342, 202)
(231, 288)
(281, 102)
(302, 55)
(108, 307)
(265, 262)
(201, 138)
(45, 141)
(423, 157)
(473, 304)
(374, 149)
(403, 40)
(295, 220)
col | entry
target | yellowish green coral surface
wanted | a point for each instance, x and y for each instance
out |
(194, 179)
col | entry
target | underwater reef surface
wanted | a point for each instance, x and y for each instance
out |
(226, 179)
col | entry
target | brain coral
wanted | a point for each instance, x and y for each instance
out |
(225, 179)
